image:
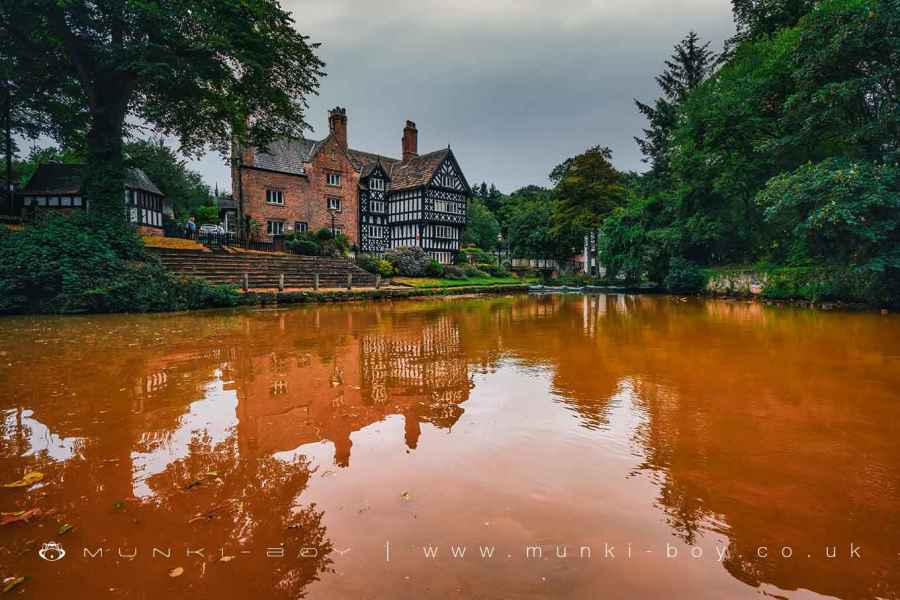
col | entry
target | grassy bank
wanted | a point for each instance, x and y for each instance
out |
(433, 282)
(311, 297)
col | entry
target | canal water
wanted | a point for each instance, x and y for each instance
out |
(604, 446)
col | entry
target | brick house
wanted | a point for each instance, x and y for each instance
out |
(377, 201)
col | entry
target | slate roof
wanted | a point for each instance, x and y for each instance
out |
(288, 157)
(65, 179)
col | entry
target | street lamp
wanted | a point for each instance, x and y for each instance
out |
(499, 244)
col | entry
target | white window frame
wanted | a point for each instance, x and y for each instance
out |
(333, 179)
(274, 227)
(337, 203)
(376, 184)
(304, 226)
(275, 197)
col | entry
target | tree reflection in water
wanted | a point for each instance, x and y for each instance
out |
(757, 426)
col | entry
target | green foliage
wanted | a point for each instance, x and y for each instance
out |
(841, 213)
(25, 169)
(493, 270)
(765, 17)
(637, 241)
(470, 271)
(181, 186)
(476, 255)
(588, 188)
(375, 265)
(319, 243)
(302, 243)
(453, 272)
(62, 266)
(528, 217)
(489, 196)
(434, 269)
(684, 276)
(482, 227)
(789, 153)
(409, 262)
(690, 64)
(206, 73)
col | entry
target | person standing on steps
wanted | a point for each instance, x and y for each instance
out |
(190, 228)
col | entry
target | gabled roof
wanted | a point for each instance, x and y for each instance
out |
(417, 171)
(288, 157)
(65, 179)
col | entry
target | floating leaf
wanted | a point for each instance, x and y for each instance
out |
(29, 480)
(176, 572)
(226, 559)
(66, 528)
(20, 516)
(12, 582)
(119, 504)
(405, 496)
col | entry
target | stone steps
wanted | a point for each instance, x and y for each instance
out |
(264, 271)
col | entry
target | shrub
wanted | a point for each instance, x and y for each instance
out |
(409, 262)
(493, 270)
(477, 255)
(62, 265)
(376, 265)
(453, 272)
(473, 271)
(302, 242)
(434, 269)
(684, 276)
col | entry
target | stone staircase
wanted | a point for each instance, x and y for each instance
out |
(264, 270)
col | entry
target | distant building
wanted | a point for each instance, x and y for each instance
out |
(378, 201)
(56, 186)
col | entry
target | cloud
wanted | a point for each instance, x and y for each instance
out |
(514, 86)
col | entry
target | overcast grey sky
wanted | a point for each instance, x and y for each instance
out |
(514, 86)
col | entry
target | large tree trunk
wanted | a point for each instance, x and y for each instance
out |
(104, 177)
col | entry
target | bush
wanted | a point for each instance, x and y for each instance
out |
(477, 255)
(302, 242)
(375, 265)
(492, 270)
(409, 262)
(473, 271)
(434, 269)
(62, 265)
(453, 272)
(684, 276)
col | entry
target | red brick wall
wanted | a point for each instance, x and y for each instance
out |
(305, 198)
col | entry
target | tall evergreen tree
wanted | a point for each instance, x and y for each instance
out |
(690, 64)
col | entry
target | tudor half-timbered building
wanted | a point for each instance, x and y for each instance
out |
(380, 202)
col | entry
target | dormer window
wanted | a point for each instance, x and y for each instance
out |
(334, 179)
(376, 184)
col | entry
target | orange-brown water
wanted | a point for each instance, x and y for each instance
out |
(561, 446)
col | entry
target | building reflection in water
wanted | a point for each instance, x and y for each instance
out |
(756, 425)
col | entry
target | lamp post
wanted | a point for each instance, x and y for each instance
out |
(332, 212)
(499, 244)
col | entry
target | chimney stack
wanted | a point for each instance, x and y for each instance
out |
(337, 124)
(410, 141)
